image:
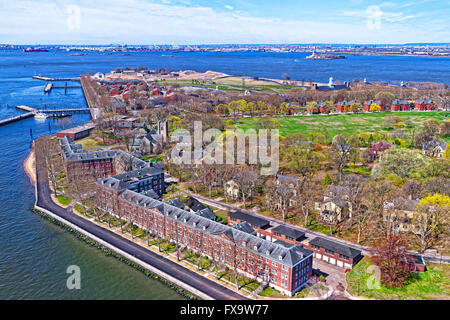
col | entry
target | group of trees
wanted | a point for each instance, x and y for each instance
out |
(244, 107)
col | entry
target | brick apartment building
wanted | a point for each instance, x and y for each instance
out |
(286, 268)
(97, 164)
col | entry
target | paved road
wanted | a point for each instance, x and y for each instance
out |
(173, 269)
(308, 233)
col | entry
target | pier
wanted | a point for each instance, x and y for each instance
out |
(55, 79)
(16, 118)
(50, 86)
(52, 113)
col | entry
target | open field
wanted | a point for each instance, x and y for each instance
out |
(343, 123)
(434, 284)
(230, 84)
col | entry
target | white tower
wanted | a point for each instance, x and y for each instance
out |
(330, 83)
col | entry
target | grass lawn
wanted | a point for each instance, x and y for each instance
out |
(433, 284)
(89, 143)
(343, 123)
(79, 208)
(243, 282)
(64, 200)
(271, 293)
(319, 227)
(222, 215)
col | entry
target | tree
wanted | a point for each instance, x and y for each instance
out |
(412, 189)
(284, 193)
(431, 219)
(302, 159)
(378, 194)
(385, 97)
(432, 127)
(390, 121)
(402, 162)
(357, 192)
(246, 181)
(305, 193)
(52, 160)
(341, 152)
(390, 256)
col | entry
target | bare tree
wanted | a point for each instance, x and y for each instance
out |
(246, 181)
(52, 161)
(305, 196)
(340, 153)
(427, 220)
(356, 187)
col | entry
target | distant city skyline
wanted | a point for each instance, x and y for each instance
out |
(203, 22)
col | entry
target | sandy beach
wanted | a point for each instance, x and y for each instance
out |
(30, 167)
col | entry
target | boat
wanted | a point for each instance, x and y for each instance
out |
(40, 116)
(34, 50)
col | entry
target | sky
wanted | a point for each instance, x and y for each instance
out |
(194, 22)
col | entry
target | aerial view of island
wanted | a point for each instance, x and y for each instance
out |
(303, 160)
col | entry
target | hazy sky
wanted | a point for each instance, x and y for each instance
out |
(219, 22)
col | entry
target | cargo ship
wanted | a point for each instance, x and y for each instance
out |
(34, 50)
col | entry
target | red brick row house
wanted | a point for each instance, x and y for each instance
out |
(265, 230)
(285, 269)
(424, 104)
(345, 106)
(334, 253)
(368, 103)
(400, 105)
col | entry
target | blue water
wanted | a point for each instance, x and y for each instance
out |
(34, 253)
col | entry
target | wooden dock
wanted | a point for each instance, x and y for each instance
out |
(26, 108)
(16, 118)
(30, 112)
(55, 79)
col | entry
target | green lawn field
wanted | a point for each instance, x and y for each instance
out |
(433, 284)
(344, 123)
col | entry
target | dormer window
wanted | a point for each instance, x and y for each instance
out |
(195, 224)
(255, 247)
(185, 220)
(204, 228)
(268, 252)
(280, 258)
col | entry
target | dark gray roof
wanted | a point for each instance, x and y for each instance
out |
(157, 164)
(176, 203)
(336, 247)
(254, 221)
(284, 243)
(288, 231)
(151, 193)
(245, 227)
(194, 204)
(433, 144)
(276, 252)
(207, 213)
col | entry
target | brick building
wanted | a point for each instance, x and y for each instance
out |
(286, 269)
(77, 133)
(334, 253)
(97, 164)
(265, 230)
